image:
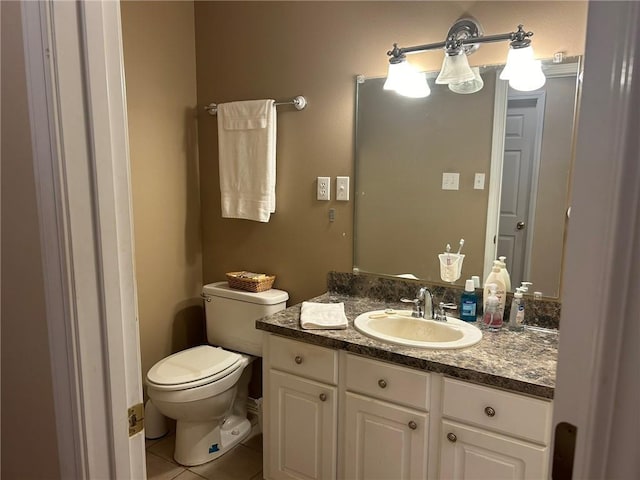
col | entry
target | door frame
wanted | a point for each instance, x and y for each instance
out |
(77, 109)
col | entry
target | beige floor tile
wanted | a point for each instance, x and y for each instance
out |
(160, 469)
(241, 463)
(188, 475)
(164, 448)
(254, 443)
(149, 442)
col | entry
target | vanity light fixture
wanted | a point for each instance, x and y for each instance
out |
(465, 36)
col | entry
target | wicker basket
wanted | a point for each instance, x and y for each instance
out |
(250, 284)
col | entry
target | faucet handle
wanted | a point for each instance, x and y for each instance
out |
(442, 307)
(417, 306)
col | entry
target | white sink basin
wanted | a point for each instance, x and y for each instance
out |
(399, 327)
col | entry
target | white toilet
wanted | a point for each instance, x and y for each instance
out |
(205, 388)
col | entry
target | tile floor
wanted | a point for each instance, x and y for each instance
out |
(243, 463)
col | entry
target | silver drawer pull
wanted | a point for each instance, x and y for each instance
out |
(382, 383)
(489, 411)
(413, 425)
(452, 437)
(298, 359)
(323, 397)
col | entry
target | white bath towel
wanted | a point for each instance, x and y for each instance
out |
(326, 316)
(247, 159)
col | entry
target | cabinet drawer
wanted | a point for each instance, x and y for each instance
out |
(310, 361)
(513, 414)
(387, 382)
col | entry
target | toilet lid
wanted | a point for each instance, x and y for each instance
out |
(191, 365)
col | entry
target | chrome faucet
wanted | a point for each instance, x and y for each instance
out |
(422, 304)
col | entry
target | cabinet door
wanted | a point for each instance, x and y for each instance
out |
(303, 428)
(383, 440)
(471, 453)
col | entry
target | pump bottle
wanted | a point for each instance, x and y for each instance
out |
(516, 316)
(495, 278)
(492, 317)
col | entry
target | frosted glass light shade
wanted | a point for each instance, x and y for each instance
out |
(404, 79)
(455, 69)
(470, 86)
(528, 77)
(397, 74)
(516, 58)
(415, 86)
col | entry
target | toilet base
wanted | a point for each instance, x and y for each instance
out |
(202, 442)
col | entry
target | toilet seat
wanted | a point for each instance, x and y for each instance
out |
(194, 367)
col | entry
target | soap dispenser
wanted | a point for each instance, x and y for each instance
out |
(492, 317)
(495, 278)
(516, 316)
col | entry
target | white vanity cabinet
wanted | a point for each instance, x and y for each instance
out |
(488, 433)
(386, 424)
(330, 414)
(300, 410)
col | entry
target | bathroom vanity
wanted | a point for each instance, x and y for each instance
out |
(338, 404)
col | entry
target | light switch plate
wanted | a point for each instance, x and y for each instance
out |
(324, 188)
(342, 188)
(478, 181)
(450, 181)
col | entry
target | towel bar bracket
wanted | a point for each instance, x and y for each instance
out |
(299, 102)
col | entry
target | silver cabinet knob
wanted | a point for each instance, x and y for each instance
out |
(452, 437)
(489, 411)
(520, 226)
(412, 425)
(323, 397)
(382, 383)
(298, 359)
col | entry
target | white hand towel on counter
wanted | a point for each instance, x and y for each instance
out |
(247, 159)
(323, 316)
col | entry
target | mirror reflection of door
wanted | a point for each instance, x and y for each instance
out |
(523, 134)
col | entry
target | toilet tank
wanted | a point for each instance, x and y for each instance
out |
(231, 315)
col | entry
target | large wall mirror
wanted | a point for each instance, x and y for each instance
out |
(520, 143)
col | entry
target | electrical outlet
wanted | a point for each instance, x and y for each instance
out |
(450, 181)
(324, 188)
(342, 188)
(478, 181)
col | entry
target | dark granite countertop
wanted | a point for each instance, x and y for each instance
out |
(523, 362)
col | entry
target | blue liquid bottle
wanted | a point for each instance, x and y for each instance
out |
(468, 303)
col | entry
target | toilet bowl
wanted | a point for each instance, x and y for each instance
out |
(205, 388)
(198, 388)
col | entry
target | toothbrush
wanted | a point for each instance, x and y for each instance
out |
(460, 247)
(448, 250)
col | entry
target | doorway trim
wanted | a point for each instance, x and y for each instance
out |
(77, 109)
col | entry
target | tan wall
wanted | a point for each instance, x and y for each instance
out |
(248, 50)
(29, 442)
(159, 56)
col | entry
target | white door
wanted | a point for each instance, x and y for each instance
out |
(474, 454)
(517, 171)
(384, 441)
(303, 428)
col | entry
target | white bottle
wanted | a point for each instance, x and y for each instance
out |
(505, 273)
(496, 278)
(516, 317)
